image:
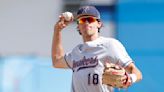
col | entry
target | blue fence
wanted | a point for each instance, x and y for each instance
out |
(32, 74)
(140, 29)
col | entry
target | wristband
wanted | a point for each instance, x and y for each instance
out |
(133, 77)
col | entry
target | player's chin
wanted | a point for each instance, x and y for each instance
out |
(90, 32)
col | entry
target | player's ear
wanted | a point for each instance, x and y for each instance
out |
(100, 24)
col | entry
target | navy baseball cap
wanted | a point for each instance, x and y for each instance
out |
(88, 11)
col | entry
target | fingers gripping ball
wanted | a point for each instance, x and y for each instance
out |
(68, 16)
(114, 75)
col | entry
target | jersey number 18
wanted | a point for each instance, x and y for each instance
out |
(93, 79)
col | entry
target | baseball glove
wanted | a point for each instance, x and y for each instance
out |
(114, 75)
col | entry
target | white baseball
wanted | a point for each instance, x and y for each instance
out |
(68, 16)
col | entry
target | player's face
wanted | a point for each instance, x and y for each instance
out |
(88, 25)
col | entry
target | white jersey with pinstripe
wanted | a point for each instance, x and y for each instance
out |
(87, 62)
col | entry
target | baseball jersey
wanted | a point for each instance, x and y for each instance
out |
(87, 63)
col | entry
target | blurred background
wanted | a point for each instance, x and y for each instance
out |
(26, 31)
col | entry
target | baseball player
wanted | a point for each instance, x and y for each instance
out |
(87, 60)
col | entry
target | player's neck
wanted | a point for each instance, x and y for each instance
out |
(90, 38)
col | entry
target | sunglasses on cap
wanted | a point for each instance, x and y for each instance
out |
(88, 19)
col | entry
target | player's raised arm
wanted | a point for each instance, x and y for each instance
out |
(57, 48)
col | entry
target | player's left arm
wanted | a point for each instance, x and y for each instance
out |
(134, 74)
